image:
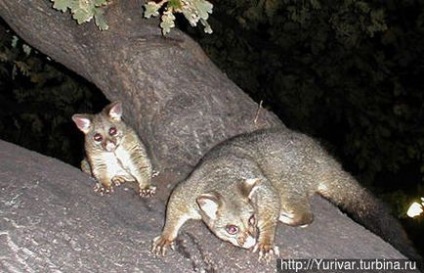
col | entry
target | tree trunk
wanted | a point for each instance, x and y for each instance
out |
(181, 105)
(173, 95)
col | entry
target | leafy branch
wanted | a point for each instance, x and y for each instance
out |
(84, 10)
(193, 10)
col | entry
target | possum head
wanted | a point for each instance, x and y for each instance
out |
(103, 131)
(231, 216)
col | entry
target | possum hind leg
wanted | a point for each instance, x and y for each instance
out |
(295, 211)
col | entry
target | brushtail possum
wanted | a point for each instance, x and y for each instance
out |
(114, 152)
(244, 186)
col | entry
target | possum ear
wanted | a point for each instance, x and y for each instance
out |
(249, 186)
(209, 204)
(115, 110)
(83, 122)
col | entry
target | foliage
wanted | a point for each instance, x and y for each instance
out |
(349, 72)
(37, 102)
(84, 10)
(193, 10)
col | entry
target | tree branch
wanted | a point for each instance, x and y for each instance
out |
(174, 96)
(181, 105)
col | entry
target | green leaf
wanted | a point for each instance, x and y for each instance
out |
(151, 9)
(82, 16)
(175, 4)
(83, 11)
(100, 19)
(61, 5)
(99, 3)
(167, 22)
(27, 49)
(15, 41)
(208, 28)
(203, 8)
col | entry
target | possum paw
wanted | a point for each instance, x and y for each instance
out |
(161, 245)
(102, 189)
(119, 179)
(266, 251)
(148, 191)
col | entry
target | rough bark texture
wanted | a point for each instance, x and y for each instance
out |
(173, 95)
(181, 105)
(52, 221)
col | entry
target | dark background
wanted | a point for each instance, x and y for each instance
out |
(349, 73)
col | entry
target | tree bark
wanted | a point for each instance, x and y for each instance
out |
(181, 105)
(52, 221)
(173, 95)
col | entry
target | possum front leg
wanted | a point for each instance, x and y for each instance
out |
(267, 204)
(136, 162)
(177, 213)
(85, 167)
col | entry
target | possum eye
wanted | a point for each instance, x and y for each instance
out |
(252, 220)
(98, 137)
(232, 229)
(113, 131)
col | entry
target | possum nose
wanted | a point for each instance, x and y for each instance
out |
(110, 146)
(250, 242)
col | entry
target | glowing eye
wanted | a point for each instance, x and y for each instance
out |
(113, 131)
(98, 137)
(231, 229)
(252, 220)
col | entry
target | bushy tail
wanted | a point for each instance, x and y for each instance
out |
(342, 189)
